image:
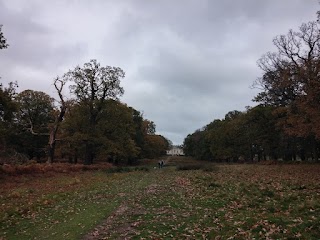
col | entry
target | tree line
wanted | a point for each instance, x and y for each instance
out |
(286, 122)
(92, 124)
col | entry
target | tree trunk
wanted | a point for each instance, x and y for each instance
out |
(51, 149)
(315, 150)
(75, 155)
(251, 153)
(59, 118)
(89, 154)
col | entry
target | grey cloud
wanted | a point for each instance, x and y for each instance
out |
(187, 62)
(33, 57)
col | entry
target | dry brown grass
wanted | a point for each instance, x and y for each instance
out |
(43, 168)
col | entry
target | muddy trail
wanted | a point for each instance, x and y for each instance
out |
(152, 206)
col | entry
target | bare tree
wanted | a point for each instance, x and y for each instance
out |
(59, 83)
(3, 40)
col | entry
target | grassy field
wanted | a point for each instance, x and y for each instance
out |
(193, 202)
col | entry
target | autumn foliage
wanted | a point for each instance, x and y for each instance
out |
(93, 125)
(286, 123)
(236, 201)
(35, 168)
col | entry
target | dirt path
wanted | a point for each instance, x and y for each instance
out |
(216, 202)
(169, 204)
(150, 206)
(110, 225)
(122, 223)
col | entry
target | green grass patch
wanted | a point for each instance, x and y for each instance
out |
(229, 201)
(204, 167)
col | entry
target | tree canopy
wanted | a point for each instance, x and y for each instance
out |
(286, 124)
(93, 124)
(3, 40)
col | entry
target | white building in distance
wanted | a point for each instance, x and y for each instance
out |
(175, 151)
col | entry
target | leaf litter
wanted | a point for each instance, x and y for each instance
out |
(233, 202)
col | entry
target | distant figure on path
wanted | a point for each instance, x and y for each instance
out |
(161, 163)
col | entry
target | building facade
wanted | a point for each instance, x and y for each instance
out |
(175, 151)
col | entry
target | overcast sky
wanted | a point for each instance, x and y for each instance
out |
(187, 62)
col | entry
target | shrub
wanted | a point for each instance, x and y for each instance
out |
(205, 168)
(143, 168)
(188, 167)
(214, 185)
(127, 169)
(38, 168)
(119, 170)
(209, 168)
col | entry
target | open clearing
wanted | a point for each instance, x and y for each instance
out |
(216, 202)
